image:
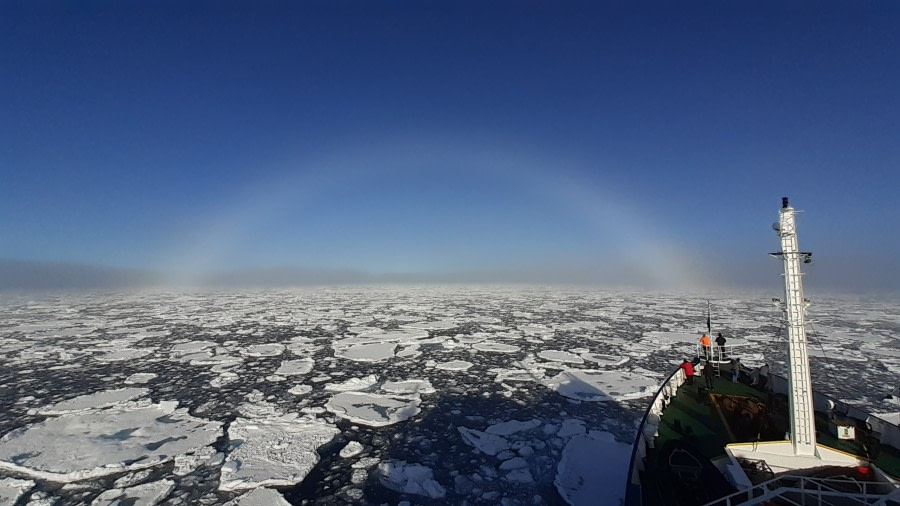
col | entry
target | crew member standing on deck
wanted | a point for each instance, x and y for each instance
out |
(704, 341)
(688, 371)
(720, 342)
(709, 373)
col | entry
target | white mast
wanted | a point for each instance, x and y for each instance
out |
(803, 423)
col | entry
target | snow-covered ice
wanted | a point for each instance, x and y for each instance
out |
(139, 378)
(414, 479)
(561, 356)
(84, 445)
(586, 457)
(413, 386)
(455, 365)
(375, 352)
(351, 449)
(97, 400)
(273, 450)
(490, 444)
(374, 409)
(589, 385)
(12, 489)
(294, 367)
(148, 494)
(259, 497)
(496, 347)
(352, 384)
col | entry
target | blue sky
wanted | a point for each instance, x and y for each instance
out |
(423, 137)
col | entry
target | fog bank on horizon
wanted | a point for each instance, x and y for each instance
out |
(827, 276)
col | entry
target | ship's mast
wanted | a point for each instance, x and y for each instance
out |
(803, 428)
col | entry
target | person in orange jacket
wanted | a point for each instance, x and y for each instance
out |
(704, 341)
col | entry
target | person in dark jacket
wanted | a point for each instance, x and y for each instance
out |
(688, 371)
(720, 341)
(709, 373)
(736, 368)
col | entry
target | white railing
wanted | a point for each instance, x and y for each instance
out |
(722, 354)
(808, 491)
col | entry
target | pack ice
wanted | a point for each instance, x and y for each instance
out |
(101, 434)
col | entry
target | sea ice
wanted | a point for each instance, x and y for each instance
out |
(139, 378)
(148, 494)
(352, 449)
(490, 444)
(511, 427)
(96, 400)
(496, 347)
(408, 478)
(259, 497)
(80, 446)
(191, 347)
(520, 476)
(300, 390)
(293, 367)
(585, 458)
(599, 386)
(12, 489)
(561, 356)
(605, 360)
(125, 354)
(273, 451)
(263, 350)
(530, 374)
(374, 352)
(373, 409)
(456, 365)
(571, 427)
(352, 384)
(413, 386)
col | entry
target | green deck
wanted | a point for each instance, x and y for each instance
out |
(691, 421)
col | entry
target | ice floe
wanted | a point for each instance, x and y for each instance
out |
(373, 409)
(413, 386)
(97, 400)
(414, 479)
(12, 489)
(490, 444)
(605, 360)
(586, 457)
(351, 449)
(259, 497)
(592, 385)
(352, 384)
(300, 390)
(139, 378)
(89, 444)
(561, 356)
(148, 494)
(374, 352)
(125, 354)
(272, 450)
(496, 347)
(455, 365)
(263, 350)
(512, 426)
(294, 367)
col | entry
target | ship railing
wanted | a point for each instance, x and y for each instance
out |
(722, 354)
(647, 432)
(808, 491)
